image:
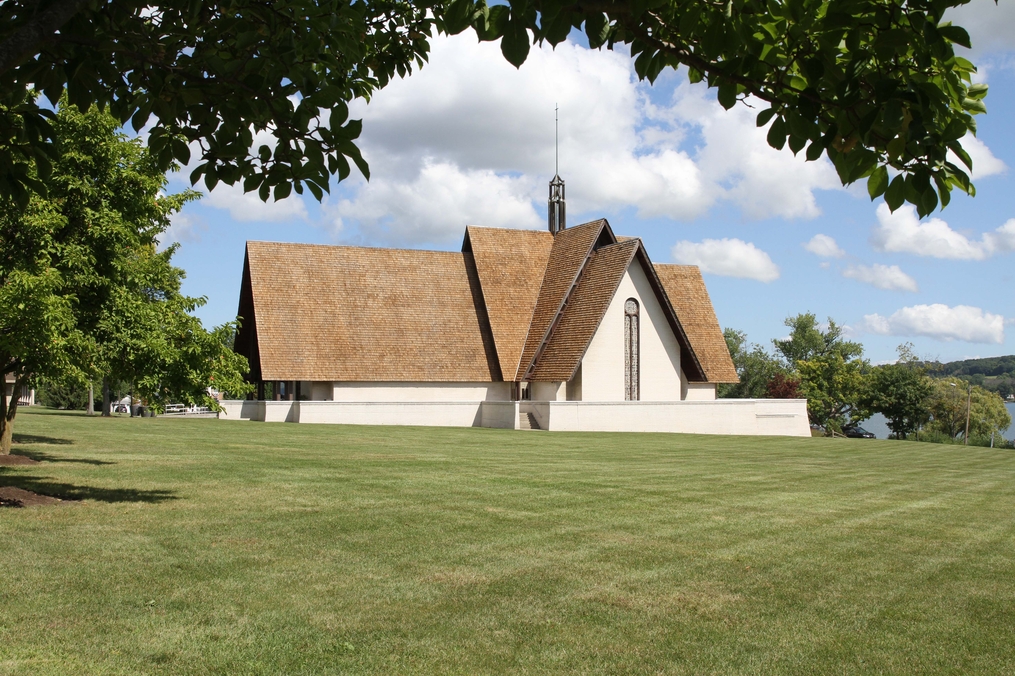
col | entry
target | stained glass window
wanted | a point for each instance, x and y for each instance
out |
(631, 351)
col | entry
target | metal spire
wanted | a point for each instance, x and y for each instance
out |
(555, 206)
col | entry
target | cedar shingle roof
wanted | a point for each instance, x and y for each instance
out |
(361, 314)
(510, 265)
(686, 290)
(571, 248)
(584, 312)
(513, 299)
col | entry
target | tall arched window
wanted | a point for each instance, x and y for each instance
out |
(631, 352)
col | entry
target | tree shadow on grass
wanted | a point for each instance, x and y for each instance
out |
(64, 491)
(39, 456)
(39, 439)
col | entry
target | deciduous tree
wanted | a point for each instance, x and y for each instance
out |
(831, 370)
(207, 75)
(948, 404)
(81, 281)
(755, 367)
(901, 392)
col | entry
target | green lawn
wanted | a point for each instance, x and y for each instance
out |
(201, 546)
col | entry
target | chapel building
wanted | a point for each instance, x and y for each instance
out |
(568, 328)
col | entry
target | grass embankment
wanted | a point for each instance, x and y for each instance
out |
(202, 546)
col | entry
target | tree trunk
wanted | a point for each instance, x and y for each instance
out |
(105, 398)
(8, 409)
(6, 433)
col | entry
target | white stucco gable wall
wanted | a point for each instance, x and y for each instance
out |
(603, 363)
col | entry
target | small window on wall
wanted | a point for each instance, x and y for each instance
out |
(632, 366)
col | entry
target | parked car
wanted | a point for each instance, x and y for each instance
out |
(857, 432)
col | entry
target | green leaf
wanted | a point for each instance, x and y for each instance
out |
(928, 201)
(944, 191)
(956, 34)
(515, 43)
(877, 183)
(764, 116)
(975, 106)
(797, 143)
(895, 193)
(777, 134)
(814, 151)
(727, 95)
(977, 91)
(282, 190)
(961, 153)
(892, 116)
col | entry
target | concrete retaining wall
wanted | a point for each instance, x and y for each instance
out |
(784, 417)
(503, 414)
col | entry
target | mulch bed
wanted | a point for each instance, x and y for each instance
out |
(18, 497)
(13, 460)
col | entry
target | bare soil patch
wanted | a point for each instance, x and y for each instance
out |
(18, 497)
(13, 460)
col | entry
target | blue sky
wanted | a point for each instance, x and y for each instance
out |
(469, 140)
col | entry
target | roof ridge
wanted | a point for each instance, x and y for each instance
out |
(349, 246)
(497, 227)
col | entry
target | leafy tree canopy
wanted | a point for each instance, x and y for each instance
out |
(949, 400)
(901, 392)
(808, 340)
(211, 74)
(756, 368)
(83, 290)
(873, 84)
(832, 370)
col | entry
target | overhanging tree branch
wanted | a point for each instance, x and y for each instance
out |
(24, 41)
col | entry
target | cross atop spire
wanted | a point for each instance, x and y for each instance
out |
(555, 206)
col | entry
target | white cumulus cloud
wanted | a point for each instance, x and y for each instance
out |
(182, 228)
(728, 258)
(984, 161)
(470, 111)
(941, 322)
(902, 232)
(824, 246)
(889, 278)
(991, 25)
(249, 207)
(438, 204)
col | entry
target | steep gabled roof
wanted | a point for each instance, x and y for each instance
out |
(570, 252)
(686, 290)
(584, 311)
(514, 305)
(510, 265)
(362, 314)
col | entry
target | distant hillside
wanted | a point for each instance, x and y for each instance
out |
(990, 366)
(993, 373)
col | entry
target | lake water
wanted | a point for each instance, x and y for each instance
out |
(879, 426)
